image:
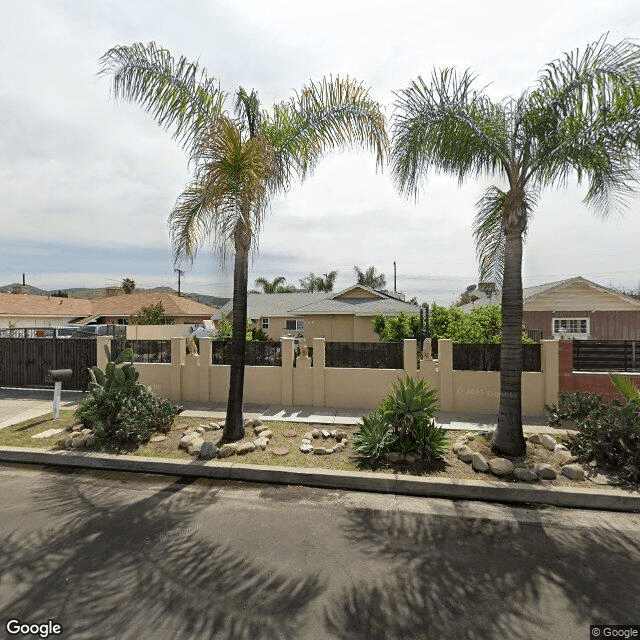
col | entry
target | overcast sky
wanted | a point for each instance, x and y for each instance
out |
(86, 184)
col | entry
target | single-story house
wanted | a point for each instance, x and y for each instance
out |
(344, 316)
(22, 310)
(574, 308)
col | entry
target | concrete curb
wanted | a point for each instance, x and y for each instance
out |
(611, 500)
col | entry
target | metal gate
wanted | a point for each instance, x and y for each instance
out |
(25, 362)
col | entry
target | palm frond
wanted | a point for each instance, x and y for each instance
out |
(584, 120)
(178, 94)
(448, 126)
(324, 116)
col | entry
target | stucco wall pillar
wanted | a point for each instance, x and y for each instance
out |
(410, 353)
(205, 368)
(318, 371)
(178, 353)
(103, 345)
(550, 365)
(288, 345)
(445, 370)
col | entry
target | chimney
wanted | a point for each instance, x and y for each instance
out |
(22, 289)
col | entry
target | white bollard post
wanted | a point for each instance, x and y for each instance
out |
(57, 392)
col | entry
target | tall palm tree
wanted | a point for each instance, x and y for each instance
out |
(581, 118)
(274, 286)
(369, 278)
(239, 163)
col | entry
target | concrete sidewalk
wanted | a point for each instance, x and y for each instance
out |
(17, 405)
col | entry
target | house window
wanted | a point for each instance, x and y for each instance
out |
(294, 325)
(265, 323)
(166, 320)
(123, 320)
(571, 326)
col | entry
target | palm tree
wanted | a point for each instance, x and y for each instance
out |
(324, 283)
(274, 286)
(369, 278)
(581, 118)
(240, 163)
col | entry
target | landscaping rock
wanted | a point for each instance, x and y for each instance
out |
(560, 447)
(258, 429)
(78, 443)
(200, 430)
(478, 463)
(261, 443)
(280, 450)
(306, 448)
(410, 459)
(470, 435)
(535, 438)
(333, 433)
(76, 427)
(458, 445)
(257, 423)
(186, 439)
(315, 433)
(501, 466)
(545, 471)
(341, 435)
(215, 426)
(524, 475)
(306, 440)
(465, 454)
(90, 440)
(245, 447)
(573, 472)
(599, 478)
(325, 434)
(227, 450)
(289, 433)
(308, 436)
(337, 448)
(266, 434)
(48, 433)
(158, 439)
(393, 456)
(208, 451)
(562, 457)
(344, 441)
(548, 442)
(195, 446)
(319, 451)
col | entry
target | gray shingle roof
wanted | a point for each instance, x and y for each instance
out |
(358, 307)
(265, 305)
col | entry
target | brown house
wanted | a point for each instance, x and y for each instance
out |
(576, 308)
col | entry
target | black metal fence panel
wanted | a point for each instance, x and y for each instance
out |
(257, 354)
(25, 362)
(606, 355)
(150, 351)
(486, 357)
(365, 355)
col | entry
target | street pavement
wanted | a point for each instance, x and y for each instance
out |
(133, 556)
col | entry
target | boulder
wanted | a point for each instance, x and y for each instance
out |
(470, 435)
(478, 463)
(465, 454)
(215, 426)
(535, 438)
(341, 435)
(562, 457)
(90, 440)
(244, 448)
(325, 434)
(410, 459)
(315, 433)
(266, 434)
(308, 436)
(306, 448)
(548, 442)
(259, 429)
(208, 451)
(457, 445)
(560, 447)
(501, 466)
(195, 445)
(524, 475)
(261, 443)
(227, 450)
(257, 423)
(186, 439)
(337, 448)
(393, 456)
(573, 472)
(200, 430)
(320, 451)
(545, 471)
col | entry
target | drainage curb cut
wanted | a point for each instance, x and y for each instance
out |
(613, 500)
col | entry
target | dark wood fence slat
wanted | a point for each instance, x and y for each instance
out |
(606, 355)
(365, 355)
(257, 354)
(486, 357)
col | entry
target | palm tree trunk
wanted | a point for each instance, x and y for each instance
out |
(508, 437)
(234, 425)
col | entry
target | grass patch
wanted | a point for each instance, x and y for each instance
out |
(19, 435)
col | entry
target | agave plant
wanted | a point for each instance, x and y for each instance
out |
(409, 403)
(625, 387)
(375, 437)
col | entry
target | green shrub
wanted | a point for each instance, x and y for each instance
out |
(375, 437)
(608, 433)
(122, 412)
(403, 423)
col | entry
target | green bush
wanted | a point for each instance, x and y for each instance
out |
(121, 412)
(403, 423)
(608, 433)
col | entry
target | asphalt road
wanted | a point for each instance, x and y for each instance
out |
(125, 556)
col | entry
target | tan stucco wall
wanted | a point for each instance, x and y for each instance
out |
(339, 328)
(277, 326)
(475, 392)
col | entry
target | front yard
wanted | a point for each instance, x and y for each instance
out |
(283, 449)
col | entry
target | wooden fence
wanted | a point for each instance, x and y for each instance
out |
(606, 355)
(486, 357)
(257, 354)
(365, 355)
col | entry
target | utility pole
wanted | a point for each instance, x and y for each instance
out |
(394, 277)
(180, 273)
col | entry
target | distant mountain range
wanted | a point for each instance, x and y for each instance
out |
(95, 294)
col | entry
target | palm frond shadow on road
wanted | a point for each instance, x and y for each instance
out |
(133, 569)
